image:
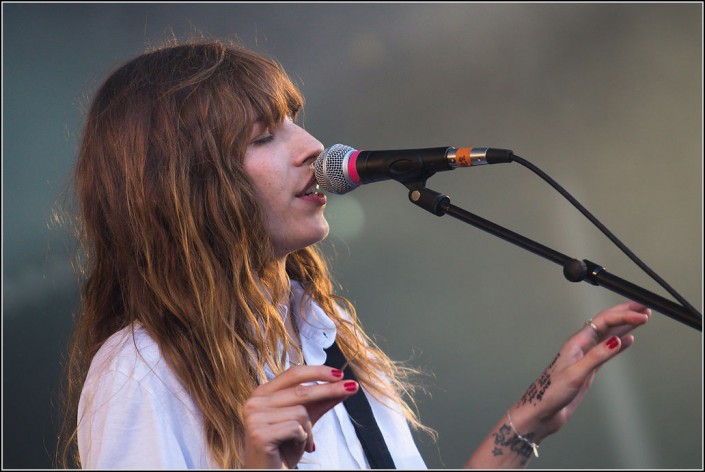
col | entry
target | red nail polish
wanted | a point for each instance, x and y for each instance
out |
(337, 373)
(612, 342)
(350, 386)
(313, 447)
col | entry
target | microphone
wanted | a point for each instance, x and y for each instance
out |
(340, 168)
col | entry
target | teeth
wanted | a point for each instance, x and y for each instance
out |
(314, 189)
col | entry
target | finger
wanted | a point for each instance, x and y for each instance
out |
(636, 306)
(275, 417)
(626, 342)
(271, 416)
(316, 398)
(310, 394)
(319, 408)
(299, 414)
(298, 375)
(620, 320)
(291, 452)
(288, 431)
(266, 439)
(292, 441)
(629, 305)
(596, 357)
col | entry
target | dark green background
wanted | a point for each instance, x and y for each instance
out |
(606, 98)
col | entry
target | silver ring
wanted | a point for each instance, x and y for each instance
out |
(592, 325)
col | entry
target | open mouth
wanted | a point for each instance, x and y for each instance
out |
(312, 190)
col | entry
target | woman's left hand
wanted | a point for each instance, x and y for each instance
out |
(552, 398)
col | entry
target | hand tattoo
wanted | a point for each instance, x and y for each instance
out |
(538, 388)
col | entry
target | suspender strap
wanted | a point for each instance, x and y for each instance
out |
(362, 417)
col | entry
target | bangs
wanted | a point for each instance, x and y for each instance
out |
(269, 95)
(285, 101)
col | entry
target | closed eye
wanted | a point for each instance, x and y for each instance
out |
(263, 139)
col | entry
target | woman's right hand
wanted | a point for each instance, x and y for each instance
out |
(280, 414)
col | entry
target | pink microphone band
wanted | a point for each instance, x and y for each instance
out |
(352, 169)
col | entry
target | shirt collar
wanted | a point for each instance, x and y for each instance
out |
(316, 330)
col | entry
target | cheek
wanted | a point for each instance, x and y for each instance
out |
(261, 178)
(254, 172)
(270, 198)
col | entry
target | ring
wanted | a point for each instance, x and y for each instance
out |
(592, 325)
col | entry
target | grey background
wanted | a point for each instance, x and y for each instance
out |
(606, 98)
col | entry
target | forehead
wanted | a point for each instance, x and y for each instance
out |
(258, 127)
(261, 125)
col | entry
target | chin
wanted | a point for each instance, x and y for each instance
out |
(309, 240)
(319, 236)
(319, 232)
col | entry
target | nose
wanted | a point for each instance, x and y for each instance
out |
(308, 148)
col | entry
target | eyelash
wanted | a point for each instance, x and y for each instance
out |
(270, 137)
(263, 140)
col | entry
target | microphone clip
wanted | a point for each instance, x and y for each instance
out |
(430, 200)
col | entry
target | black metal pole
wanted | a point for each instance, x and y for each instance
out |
(574, 270)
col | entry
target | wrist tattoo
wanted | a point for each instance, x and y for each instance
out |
(504, 438)
(538, 387)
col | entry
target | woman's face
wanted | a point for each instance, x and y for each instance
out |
(278, 161)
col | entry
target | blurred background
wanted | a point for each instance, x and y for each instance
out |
(605, 98)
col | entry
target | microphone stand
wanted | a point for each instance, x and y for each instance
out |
(573, 269)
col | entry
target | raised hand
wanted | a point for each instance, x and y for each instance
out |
(280, 414)
(553, 397)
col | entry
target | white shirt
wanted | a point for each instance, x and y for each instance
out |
(135, 414)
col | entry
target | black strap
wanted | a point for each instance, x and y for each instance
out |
(362, 417)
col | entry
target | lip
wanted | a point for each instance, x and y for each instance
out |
(317, 199)
(310, 182)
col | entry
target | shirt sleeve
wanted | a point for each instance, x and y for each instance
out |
(126, 425)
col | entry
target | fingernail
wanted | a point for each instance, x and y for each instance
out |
(612, 342)
(350, 386)
(337, 373)
(313, 447)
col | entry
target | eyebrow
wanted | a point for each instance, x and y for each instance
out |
(258, 126)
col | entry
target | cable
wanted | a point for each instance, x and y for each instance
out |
(606, 232)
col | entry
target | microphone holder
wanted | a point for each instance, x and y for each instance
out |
(573, 269)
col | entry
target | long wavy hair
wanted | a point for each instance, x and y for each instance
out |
(173, 237)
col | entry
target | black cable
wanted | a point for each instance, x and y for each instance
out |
(606, 232)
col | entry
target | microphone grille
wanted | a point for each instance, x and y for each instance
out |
(329, 169)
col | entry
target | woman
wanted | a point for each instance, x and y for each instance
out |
(207, 310)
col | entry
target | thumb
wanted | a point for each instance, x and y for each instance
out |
(603, 352)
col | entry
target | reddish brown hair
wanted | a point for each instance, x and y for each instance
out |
(174, 238)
